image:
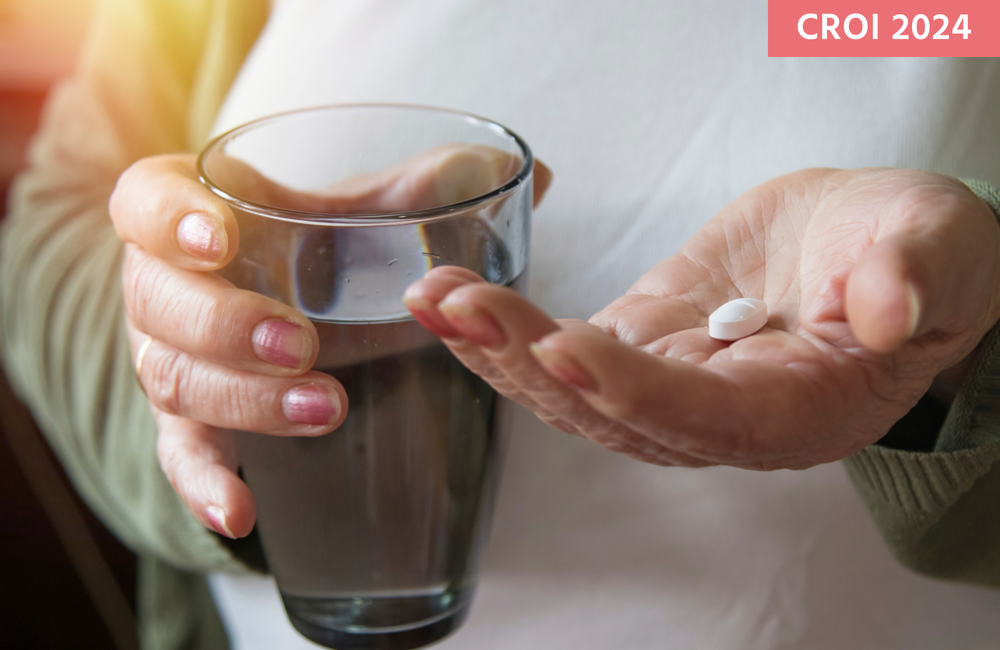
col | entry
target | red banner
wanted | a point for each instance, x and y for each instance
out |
(883, 28)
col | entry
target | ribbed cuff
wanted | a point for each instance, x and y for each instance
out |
(908, 491)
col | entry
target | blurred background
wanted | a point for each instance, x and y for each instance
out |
(66, 581)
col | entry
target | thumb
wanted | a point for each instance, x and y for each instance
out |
(886, 293)
(909, 284)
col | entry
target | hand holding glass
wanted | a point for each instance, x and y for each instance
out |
(374, 531)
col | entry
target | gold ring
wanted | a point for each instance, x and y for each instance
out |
(138, 360)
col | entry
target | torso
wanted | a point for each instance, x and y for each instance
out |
(654, 114)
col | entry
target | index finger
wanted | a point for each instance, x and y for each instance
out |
(160, 205)
(689, 409)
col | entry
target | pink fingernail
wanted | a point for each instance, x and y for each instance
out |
(475, 324)
(311, 404)
(217, 517)
(203, 236)
(282, 343)
(564, 367)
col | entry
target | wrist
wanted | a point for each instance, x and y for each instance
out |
(949, 381)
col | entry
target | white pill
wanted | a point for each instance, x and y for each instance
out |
(737, 319)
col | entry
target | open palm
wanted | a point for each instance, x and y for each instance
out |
(876, 281)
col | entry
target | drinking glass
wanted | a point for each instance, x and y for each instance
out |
(374, 532)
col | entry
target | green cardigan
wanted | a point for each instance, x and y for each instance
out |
(152, 77)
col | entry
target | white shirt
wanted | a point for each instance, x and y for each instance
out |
(654, 114)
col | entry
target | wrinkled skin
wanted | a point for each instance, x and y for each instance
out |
(877, 280)
(215, 357)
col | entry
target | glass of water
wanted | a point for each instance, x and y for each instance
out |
(374, 532)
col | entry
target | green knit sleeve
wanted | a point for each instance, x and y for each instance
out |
(939, 511)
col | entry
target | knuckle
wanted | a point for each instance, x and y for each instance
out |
(569, 405)
(477, 362)
(510, 390)
(538, 382)
(145, 191)
(506, 387)
(166, 305)
(168, 377)
(133, 182)
(156, 302)
(243, 405)
(136, 279)
(207, 320)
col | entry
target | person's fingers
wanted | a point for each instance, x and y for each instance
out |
(476, 360)
(475, 311)
(160, 205)
(690, 410)
(200, 463)
(504, 327)
(422, 297)
(181, 384)
(640, 319)
(207, 316)
(441, 176)
(883, 301)
(492, 329)
(930, 276)
(542, 179)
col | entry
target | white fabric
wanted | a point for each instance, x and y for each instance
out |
(653, 114)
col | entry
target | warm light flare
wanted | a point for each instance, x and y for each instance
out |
(39, 40)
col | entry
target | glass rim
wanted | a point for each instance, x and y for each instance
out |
(386, 218)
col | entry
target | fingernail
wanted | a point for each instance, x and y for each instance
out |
(425, 312)
(311, 404)
(474, 324)
(913, 298)
(217, 517)
(281, 342)
(203, 236)
(563, 367)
